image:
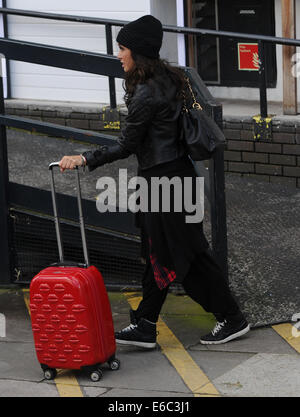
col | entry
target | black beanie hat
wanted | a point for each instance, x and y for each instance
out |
(143, 36)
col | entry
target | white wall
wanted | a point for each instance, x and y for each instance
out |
(31, 81)
(273, 94)
(165, 11)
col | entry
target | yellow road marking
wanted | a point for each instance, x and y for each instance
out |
(289, 333)
(192, 375)
(66, 383)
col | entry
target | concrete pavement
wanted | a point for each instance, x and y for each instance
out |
(260, 364)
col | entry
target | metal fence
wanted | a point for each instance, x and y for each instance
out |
(109, 23)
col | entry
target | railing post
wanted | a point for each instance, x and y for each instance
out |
(262, 80)
(111, 80)
(5, 257)
(218, 201)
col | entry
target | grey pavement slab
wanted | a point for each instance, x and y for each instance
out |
(93, 391)
(18, 327)
(148, 370)
(215, 364)
(13, 388)
(186, 330)
(17, 353)
(18, 361)
(263, 375)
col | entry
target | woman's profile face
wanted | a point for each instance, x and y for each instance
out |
(126, 59)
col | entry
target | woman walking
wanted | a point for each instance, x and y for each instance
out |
(174, 249)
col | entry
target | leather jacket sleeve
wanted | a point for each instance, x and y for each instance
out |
(140, 113)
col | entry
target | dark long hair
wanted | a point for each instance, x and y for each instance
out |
(149, 68)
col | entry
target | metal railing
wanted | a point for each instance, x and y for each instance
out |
(109, 23)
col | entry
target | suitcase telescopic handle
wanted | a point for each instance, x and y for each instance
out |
(56, 218)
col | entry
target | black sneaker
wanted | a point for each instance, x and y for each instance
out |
(141, 334)
(224, 331)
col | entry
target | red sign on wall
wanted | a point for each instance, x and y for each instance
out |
(248, 56)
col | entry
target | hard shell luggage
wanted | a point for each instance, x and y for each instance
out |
(70, 311)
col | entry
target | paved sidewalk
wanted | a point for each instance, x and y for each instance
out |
(260, 364)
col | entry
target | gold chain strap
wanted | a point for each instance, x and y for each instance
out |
(195, 104)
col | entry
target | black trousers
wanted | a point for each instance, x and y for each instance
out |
(204, 283)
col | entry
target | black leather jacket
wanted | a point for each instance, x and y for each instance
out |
(151, 129)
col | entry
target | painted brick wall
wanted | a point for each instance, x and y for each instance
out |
(276, 160)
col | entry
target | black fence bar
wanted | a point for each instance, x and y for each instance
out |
(53, 129)
(214, 179)
(65, 17)
(234, 35)
(262, 80)
(40, 201)
(218, 198)
(5, 236)
(218, 210)
(166, 28)
(111, 80)
(67, 58)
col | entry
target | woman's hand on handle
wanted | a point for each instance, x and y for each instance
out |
(71, 161)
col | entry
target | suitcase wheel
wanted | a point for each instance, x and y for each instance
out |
(114, 364)
(50, 373)
(96, 375)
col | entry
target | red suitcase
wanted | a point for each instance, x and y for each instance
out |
(70, 311)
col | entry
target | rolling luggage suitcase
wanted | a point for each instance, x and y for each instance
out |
(70, 311)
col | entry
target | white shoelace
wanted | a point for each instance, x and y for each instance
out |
(218, 327)
(130, 327)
